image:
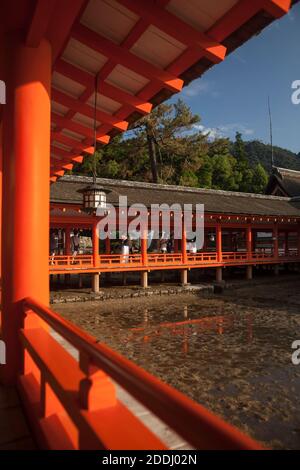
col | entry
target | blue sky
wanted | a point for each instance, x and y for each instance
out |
(232, 96)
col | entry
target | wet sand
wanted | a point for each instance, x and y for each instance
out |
(230, 352)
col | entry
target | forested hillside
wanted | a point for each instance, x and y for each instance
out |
(170, 147)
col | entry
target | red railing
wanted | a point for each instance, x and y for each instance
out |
(157, 260)
(70, 261)
(73, 404)
(164, 258)
(117, 260)
(202, 258)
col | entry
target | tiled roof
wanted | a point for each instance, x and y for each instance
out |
(66, 191)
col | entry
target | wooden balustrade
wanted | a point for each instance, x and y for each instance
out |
(106, 262)
(72, 404)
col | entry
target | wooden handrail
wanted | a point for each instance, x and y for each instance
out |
(193, 422)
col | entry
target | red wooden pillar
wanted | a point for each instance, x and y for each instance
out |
(96, 276)
(107, 246)
(68, 241)
(249, 242)
(286, 243)
(144, 249)
(26, 172)
(219, 243)
(183, 243)
(95, 240)
(275, 245)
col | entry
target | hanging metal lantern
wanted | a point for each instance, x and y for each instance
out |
(212, 237)
(94, 197)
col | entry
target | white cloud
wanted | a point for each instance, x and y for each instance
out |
(196, 88)
(225, 130)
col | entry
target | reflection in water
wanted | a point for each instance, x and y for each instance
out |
(234, 358)
(186, 329)
(235, 361)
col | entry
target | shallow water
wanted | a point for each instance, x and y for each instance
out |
(233, 358)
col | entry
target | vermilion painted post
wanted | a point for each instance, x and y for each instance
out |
(95, 246)
(68, 241)
(249, 242)
(96, 261)
(286, 244)
(275, 245)
(183, 243)
(26, 165)
(107, 246)
(219, 243)
(144, 248)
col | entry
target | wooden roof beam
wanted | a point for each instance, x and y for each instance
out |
(242, 12)
(86, 110)
(176, 28)
(74, 144)
(40, 21)
(75, 127)
(121, 55)
(106, 89)
(277, 8)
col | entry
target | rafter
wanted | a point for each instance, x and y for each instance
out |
(86, 110)
(122, 56)
(176, 28)
(40, 21)
(72, 143)
(277, 8)
(242, 12)
(106, 89)
(75, 127)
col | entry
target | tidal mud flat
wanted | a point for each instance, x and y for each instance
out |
(230, 352)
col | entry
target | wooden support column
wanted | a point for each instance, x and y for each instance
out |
(183, 272)
(219, 243)
(298, 244)
(249, 272)
(183, 243)
(144, 253)
(219, 274)
(107, 246)
(68, 250)
(26, 173)
(275, 245)
(144, 279)
(249, 242)
(184, 277)
(219, 270)
(96, 263)
(286, 243)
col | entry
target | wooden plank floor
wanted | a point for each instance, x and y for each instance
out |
(14, 431)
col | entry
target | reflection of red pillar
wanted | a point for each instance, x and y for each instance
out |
(26, 165)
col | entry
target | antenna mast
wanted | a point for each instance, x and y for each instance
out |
(271, 132)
